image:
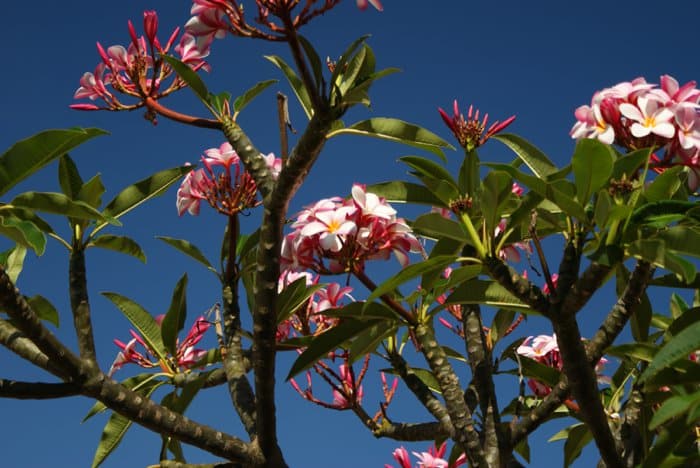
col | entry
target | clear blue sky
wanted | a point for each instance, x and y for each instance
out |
(538, 60)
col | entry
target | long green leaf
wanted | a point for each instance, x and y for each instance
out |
(486, 292)
(410, 272)
(592, 164)
(142, 321)
(398, 131)
(430, 168)
(322, 344)
(44, 309)
(246, 98)
(142, 191)
(190, 77)
(56, 203)
(293, 296)
(27, 156)
(404, 192)
(121, 244)
(674, 406)
(188, 249)
(23, 232)
(435, 226)
(174, 319)
(14, 262)
(295, 82)
(533, 157)
(679, 347)
(68, 177)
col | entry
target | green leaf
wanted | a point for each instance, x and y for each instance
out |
(592, 164)
(496, 191)
(322, 344)
(404, 192)
(431, 169)
(536, 160)
(674, 406)
(340, 65)
(14, 262)
(91, 192)
(398, 131)
(679, 347)
(639, 352)
(314, 60)
(293, 296)
(486, 292)
(578, 436)
(27, 156)
(190, 77)
(630, 163)
(113, 433)
(364, 311)
(435, 264)
(367, 341)
(295, 82)
(56, 203)
(143, 321)
(44, 309)
(244, 99)
(435, 226)
(68, 177)
(501, 322)
(22, 232)
(121, 244)
(174, 320)
(188, 249)
(142, 191)
(665, 185)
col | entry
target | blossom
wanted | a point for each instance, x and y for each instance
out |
(363, 4)
(186, 355)
(335, 235)
(637, 114)
(433, 458)
(471, 132)
(273, 164)
(352, 392)
(229, 192)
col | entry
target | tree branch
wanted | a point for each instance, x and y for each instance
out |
(13, 340)
(36, 390)
(413, 432)
(80, 303)
(464, 434)
(517, 285)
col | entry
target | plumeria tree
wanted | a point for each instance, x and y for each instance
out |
(475, 259)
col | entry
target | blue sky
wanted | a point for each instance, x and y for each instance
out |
(537, 60)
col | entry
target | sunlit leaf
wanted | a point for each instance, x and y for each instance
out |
(22, 232)
(246, 98)
(410, 272)
(533, 157)
(404, 192)
(121, 244)
(56, 203)
(44, 309)
(188, 249)
(68, 177)
(295, 82)
(592, 164)
(27, 156)
(190, 77)
(174, 320)
(293, 296)
(679, 347)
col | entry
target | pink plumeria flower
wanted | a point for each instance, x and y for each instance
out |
(193, 51)
(363, 4)
(555, 280)
(688, 122)
(649, 117)
(591, 124)
(330, 296)
(401, 456)
(273, 164)
(191, 192)
(332, 227)
(224, 155)
(371, 204)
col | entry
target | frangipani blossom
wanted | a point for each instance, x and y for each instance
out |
(363, 4)
(331, 227)
(649, 117)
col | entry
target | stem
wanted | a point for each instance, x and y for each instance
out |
(283, 115)
(239, 387)
(80, 303)
(473, 235)
(168, 113)
(465, 433)
(300, 62)
(413, 432)
(520, 287)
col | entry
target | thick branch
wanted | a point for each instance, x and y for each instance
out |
(584, 387)
(153, 416)
(465, 434)
(517, 285)
(420, 390)
(36, 390)
(80, 304)
(26, 320)
(495, 441)
(413, 432)
(13, 340)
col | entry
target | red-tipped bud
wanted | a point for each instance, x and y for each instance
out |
(150, 26)
(84, 107)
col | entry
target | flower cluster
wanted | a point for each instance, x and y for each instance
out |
(139, 70)
(185, 358)
(638, 114)
(470, 131)
(230, 191)
(214, 18)
(545, 350)
(433, 458)
(335, 236)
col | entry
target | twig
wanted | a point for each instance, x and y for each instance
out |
(36, 390)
